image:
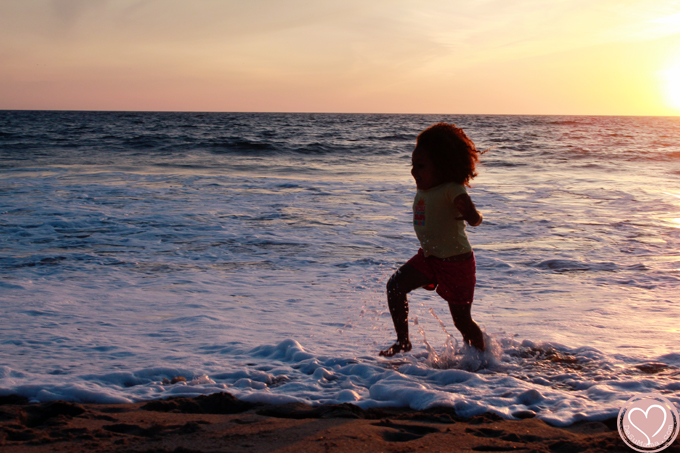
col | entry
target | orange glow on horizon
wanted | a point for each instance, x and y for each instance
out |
(610, 57)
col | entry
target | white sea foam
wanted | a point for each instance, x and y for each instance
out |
(557, 384)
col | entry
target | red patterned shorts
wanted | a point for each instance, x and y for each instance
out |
(454, 280)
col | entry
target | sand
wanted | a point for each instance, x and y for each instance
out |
(222, 423)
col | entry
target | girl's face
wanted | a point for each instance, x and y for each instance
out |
(424, 171)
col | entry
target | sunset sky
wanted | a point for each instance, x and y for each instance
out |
(589, 57)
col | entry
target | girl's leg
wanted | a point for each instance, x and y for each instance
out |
(462, 319)
(405, 280)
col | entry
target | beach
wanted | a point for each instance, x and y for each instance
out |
(220, 422)
(248, 253)
(339, 226)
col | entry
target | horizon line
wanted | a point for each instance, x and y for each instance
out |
(336, 113)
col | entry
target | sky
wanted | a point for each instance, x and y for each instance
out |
(565, 57)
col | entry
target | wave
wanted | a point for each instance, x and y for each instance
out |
(235, 144)
(551, 382)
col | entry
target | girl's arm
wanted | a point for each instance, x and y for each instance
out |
(467, 208)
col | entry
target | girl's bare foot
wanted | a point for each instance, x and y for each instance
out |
(396, 348)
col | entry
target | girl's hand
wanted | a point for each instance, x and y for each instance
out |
(468, 211)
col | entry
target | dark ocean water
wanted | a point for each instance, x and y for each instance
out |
(250, 249)
(167, 139)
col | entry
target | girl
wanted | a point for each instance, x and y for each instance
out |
(443, 164)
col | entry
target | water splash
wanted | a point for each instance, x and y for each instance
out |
(460, 356)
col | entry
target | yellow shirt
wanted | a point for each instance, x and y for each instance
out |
(434, 219)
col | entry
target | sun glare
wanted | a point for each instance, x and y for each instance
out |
(671, 85)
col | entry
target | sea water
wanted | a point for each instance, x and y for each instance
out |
(249, 253)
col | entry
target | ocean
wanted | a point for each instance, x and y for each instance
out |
(249, 252)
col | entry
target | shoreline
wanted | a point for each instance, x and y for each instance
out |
(220, 422)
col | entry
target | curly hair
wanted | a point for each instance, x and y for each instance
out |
(454, 155)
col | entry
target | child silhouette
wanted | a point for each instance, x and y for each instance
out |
(444, 161)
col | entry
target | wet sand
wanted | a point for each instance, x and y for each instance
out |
(221, 423)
